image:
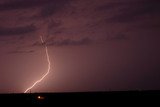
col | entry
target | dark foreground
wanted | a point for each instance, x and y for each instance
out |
(76, 98)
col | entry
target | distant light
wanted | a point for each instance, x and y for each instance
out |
(40, 97)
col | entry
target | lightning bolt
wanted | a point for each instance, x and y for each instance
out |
(48, 70)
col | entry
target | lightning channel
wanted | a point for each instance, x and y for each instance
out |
(48, 70)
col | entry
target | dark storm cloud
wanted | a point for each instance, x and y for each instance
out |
(67, 42)
(23, 4)
(17, 30)
(110, 6)
(52, 8)
(46, 7)
(117, 37)
(129, 11)
(70, 42)
(20, 51)
(54, 24)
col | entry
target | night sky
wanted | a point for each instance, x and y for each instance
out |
(94, 45)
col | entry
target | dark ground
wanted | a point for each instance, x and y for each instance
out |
(76, 98)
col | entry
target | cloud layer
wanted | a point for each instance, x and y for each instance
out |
(66, 42)
(67, 19)
(17, 30)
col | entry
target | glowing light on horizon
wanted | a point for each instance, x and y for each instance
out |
(48, 70)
